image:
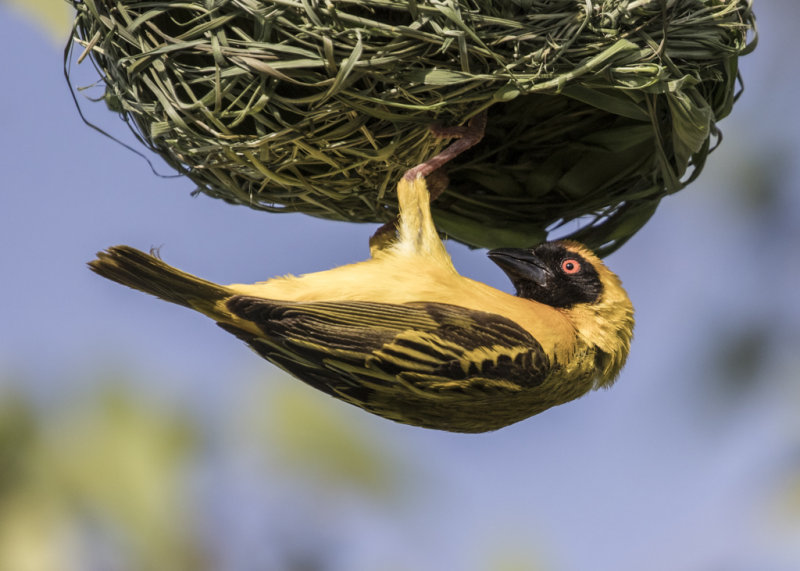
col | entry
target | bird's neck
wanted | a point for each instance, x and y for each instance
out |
(607, 330)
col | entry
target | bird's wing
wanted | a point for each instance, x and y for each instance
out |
(351, 349)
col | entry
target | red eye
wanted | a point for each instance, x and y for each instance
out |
(570, 266)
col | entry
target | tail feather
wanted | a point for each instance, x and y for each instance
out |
(145, 272)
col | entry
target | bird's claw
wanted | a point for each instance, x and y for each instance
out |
(468, 136)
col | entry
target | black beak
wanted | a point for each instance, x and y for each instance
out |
(521, 265)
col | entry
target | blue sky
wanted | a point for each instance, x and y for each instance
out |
(684, 464)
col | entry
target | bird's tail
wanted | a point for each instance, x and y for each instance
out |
(145, 272)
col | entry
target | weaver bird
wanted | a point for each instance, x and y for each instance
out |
(404, 336)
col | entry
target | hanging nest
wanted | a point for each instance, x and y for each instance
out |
(596, 109)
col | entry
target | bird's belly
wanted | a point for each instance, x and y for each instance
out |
(476, 413)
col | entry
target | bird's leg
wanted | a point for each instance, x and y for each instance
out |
(467, 137)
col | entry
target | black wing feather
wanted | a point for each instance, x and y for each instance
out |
(354, 348)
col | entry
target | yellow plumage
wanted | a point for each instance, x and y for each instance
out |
(416, 267)
(404, 336)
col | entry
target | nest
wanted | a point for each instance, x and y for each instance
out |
(596, 109)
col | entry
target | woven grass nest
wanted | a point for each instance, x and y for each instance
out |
(596, 108)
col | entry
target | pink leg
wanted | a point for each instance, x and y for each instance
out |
(468, 137)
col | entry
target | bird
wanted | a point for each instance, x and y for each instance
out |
(404, 336)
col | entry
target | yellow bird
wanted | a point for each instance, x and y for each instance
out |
(404, 336)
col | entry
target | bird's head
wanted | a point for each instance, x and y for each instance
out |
(569, 277)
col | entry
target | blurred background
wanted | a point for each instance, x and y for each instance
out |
(135, 435)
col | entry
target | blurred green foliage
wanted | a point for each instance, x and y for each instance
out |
(107, 469)
(103, 481)
(53, 16)
(307, 437)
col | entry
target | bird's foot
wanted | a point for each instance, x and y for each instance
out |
(468, 136)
